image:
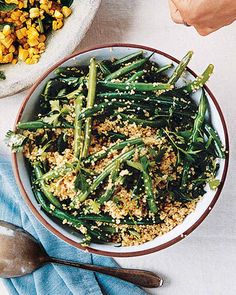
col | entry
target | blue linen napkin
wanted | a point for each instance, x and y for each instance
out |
(53, 279)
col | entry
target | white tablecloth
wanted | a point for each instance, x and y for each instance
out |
(205, 262)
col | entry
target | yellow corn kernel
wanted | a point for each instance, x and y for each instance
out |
(32, 33)
(22, 18)
(58, 14)
(12, 48)
(26, 14)
(54, 25)
(15, 15)
(24, 31)
(6, 30)
(23, 54)
(34, 12)
(42, 38)
(66, 11)
(25, 3)
(2, 36)
(59, 24)
(26, 46)
(7, 19)
(7, 41)
(45, 8)
(14, 61)
(28, 23)
(33, 42)
(8, 58)
(41, 46)
(31, 51)
(28, 61)
(12, 1)
(34, 59)
(36, 51)
(19, 34)
(17, 23)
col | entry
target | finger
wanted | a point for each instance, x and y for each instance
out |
(204, 31)
(175, 14)
(180, 4)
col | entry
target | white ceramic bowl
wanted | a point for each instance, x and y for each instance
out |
(179, 232)
(58, 45)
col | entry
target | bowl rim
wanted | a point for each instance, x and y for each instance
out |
(103, 252)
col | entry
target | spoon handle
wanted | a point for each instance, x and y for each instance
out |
(142, 278)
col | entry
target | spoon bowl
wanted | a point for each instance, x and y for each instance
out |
(21, 254)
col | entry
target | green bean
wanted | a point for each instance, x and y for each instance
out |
(69, 71)
(97, 109)
(73, 81)
(44, 187)
(78, 138)
(74, 94)
(200, 118)
(150, 99)
(147, 180)
(152, 123)
(127, 69)
(127, 58)
(115, 135)
(63, 216)
(112, 105)
(90, 102)
(102, 107)
(56, 173)
(34, 125)
(163, 69)
(135, 76)
(47, 88)
(98, 235)
(211, 132)
(198, 123)
(140, 87)
(104, 69)
(57, 212)
(126, 220)
(111, 187)
(199, 81)
(180, 68)
(118, 146)
(99, 179)
(72, 220)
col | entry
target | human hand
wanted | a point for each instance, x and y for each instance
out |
(206, 16)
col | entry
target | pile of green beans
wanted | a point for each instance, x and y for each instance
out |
(130, 90)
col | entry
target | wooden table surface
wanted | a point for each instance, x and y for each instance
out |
(205, 262)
